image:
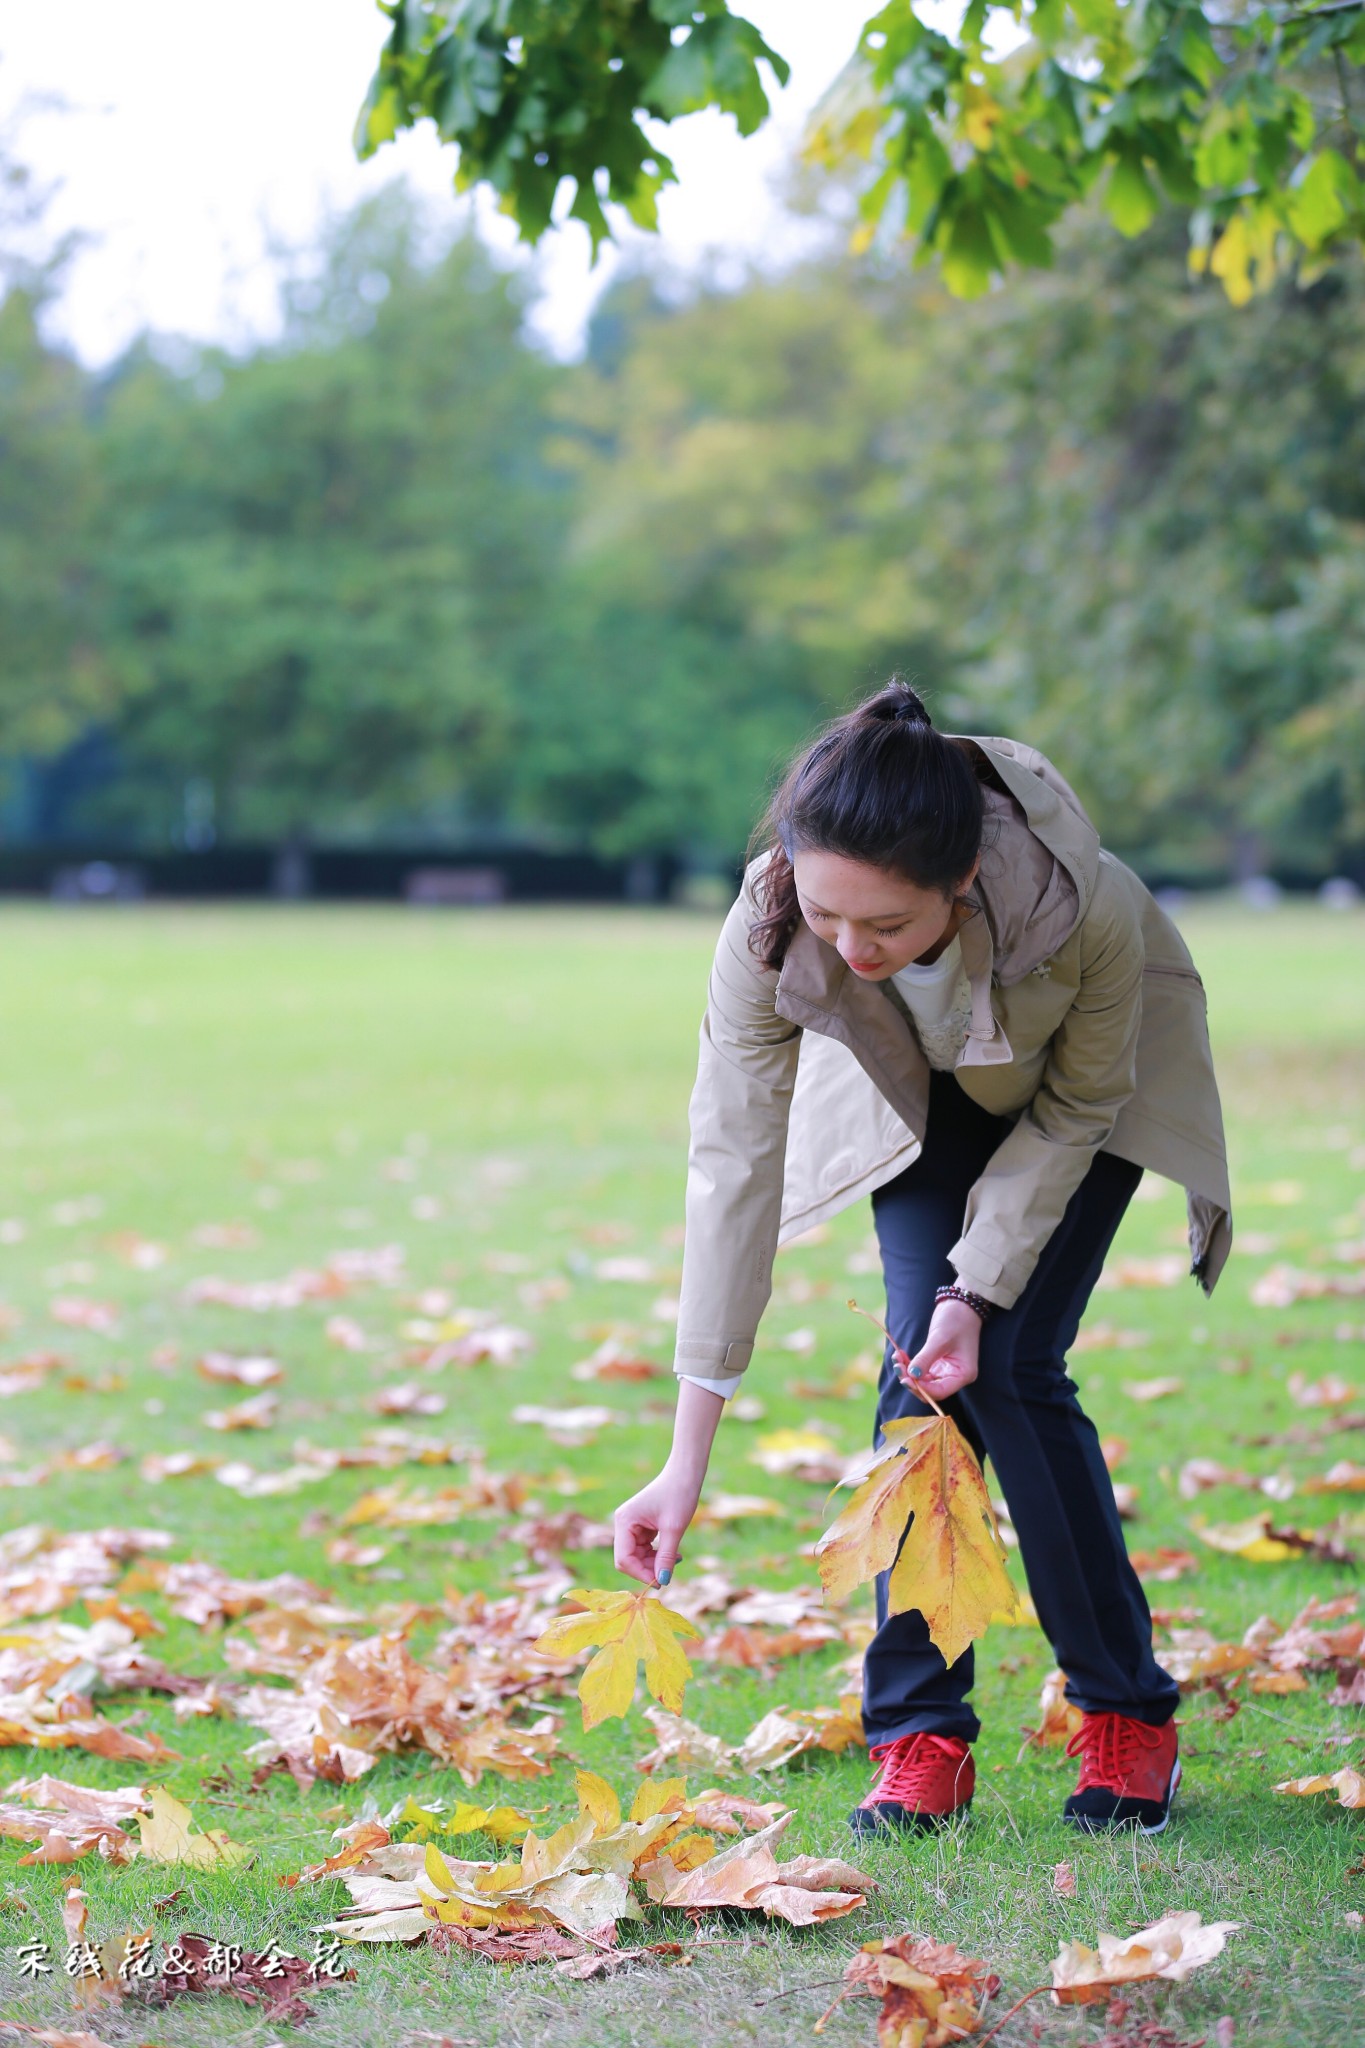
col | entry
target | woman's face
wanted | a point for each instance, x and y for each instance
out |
(877, 921)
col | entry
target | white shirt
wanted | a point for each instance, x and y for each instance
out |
(939, 998)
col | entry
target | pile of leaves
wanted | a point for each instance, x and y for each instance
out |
(587, 1877)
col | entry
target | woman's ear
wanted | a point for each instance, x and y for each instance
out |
(965, 884)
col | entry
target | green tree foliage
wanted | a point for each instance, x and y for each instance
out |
(396, 575)
(976, 143)
(318, 561)
(1105, 511)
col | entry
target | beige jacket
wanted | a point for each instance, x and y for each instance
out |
(1088, 1028)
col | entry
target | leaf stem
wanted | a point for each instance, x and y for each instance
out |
(901, 1356)
(1038, 1989)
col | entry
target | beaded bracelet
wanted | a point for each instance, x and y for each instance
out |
(977, 1303)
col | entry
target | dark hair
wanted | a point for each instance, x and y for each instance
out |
(880, 785)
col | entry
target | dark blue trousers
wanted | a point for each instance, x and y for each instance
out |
(1022, 1412)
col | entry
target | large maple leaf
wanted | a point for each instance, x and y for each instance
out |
(632, 1628)
(951, 1563)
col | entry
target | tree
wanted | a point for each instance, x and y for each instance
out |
(1102, 511)
(316, 560)
(1248, 113)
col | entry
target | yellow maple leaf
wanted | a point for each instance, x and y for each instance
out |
(167, 1836)
(631, 1628)
(951, 1565)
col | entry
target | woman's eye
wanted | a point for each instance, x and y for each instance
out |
(894, 931)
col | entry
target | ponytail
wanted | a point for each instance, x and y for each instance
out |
(880, 786)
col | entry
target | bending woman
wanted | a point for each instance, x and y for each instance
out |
(937, 988)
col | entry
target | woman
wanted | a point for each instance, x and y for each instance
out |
(938, 988)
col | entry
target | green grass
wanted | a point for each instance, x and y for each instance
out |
(523, 1077)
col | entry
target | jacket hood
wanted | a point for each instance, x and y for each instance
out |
(1039, 860)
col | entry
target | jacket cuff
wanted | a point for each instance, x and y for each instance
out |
(695, 1358)
(998, 1280)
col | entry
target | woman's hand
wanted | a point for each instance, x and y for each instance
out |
(948, 1358)
(650, 1526)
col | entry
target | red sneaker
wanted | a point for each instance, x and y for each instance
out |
(925, 1779)
(1129, 1770)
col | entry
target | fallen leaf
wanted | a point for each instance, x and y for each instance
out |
(683, 1745)
(1260, 1542)
(228, 1369)
(613, 1360)
(784, 1734)
(1332, 1391)
(167, 1837)
(1058, 1720)
(721, 1508)
(1284, 1285)
(1163, 1564)
(931, 1993)
(1152, 1390)
(1173, 1948)
(569, 1426)
(1064, 1881)
(631, 1628)
(801, 1453)
(407, 1398)
(260, 1411)
(1166, 1269)
(951, 1564)
(1349, 1787)
(747, 1875)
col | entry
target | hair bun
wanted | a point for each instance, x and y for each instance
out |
(898, 704)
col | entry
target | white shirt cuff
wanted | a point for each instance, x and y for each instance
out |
(725, 1388)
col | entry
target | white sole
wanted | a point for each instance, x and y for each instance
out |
(1157, 1826)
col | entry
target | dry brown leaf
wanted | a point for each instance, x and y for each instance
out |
(1165, 1269)
(1261, 1542)
(1172, 1948)
(407, 1398)
(1153, 1390)
(786, 1733)
(1349, 1787)
(1064, 1880)
(568, 1426)
(683, 1746)
(1284, 1285)
(932, 1995)
(614, 1360)
(1331, 1391)
(1105, 1337)
(747, 1875)
(1058, 1720)
(1343, 1477)
(951, 1564)
(259, 1411)
(721, 1508)
(1163, 1564)
(254, 1370)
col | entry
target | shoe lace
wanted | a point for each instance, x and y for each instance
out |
(911, 1764)
(1110, 1747)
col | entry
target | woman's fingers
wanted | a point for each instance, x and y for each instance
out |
(634, 1548)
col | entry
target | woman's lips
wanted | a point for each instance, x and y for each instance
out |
(864, 966)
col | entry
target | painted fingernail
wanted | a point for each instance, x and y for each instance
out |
(915, 1372)
(665, 1575)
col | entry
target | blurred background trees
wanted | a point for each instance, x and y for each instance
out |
(398, 577)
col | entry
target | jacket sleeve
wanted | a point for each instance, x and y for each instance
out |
(738, 1117)
(1090, 1074)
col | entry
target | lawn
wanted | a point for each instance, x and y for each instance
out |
(242, 1093)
